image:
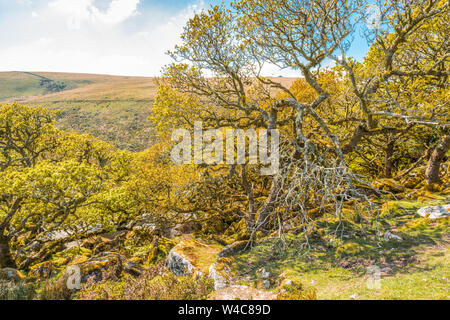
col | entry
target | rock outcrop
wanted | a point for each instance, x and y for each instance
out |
(105, 266)
(178, 264)
(435, 212)
(220, 274)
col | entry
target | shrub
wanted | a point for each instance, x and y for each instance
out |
(16, 291)
(155, 284)
(295, 291)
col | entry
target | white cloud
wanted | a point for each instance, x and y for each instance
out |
(76, 36)
(82, 11)
(26, 3)
(118, 11)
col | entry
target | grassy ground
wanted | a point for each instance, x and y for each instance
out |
(414, 268)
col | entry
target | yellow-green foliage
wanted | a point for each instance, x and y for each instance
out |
(149, 251)
(155, 284)
(349, 249)
(17, 291)
(237, 231)
(296, 292)
(54, 289)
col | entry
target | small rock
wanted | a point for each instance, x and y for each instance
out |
(262, 273)
(390, 236)
(287, 283)
(266, 284)
(386, 271)
(435, 212)
(73, 244)
(220, 281)
(178, 264)
(11, 274)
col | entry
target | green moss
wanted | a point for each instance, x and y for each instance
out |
(238, 231)
(349, 249)
(201, 255)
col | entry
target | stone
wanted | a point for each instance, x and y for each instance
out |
(73, 244)
(287, 283)
(390, 236)
(266, 284)
(178, 264)
(104, 266)
(42, 270)
(434, 212)
(386, 271)
(262, 273)
(133, 268)
(11, 274)
(221, 274)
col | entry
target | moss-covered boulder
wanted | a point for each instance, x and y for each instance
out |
(105, 266)
(389, 185)
(42, 270)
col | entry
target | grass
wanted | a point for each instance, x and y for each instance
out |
(414, 268)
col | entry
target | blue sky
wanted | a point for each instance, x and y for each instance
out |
(121, 37)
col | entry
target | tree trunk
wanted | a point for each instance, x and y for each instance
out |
(6, 259)
(434, 164)
(389, 153)
(268, 208)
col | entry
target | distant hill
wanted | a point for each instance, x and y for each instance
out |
(112, 108)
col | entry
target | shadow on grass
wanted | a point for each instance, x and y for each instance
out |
(356, 247)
